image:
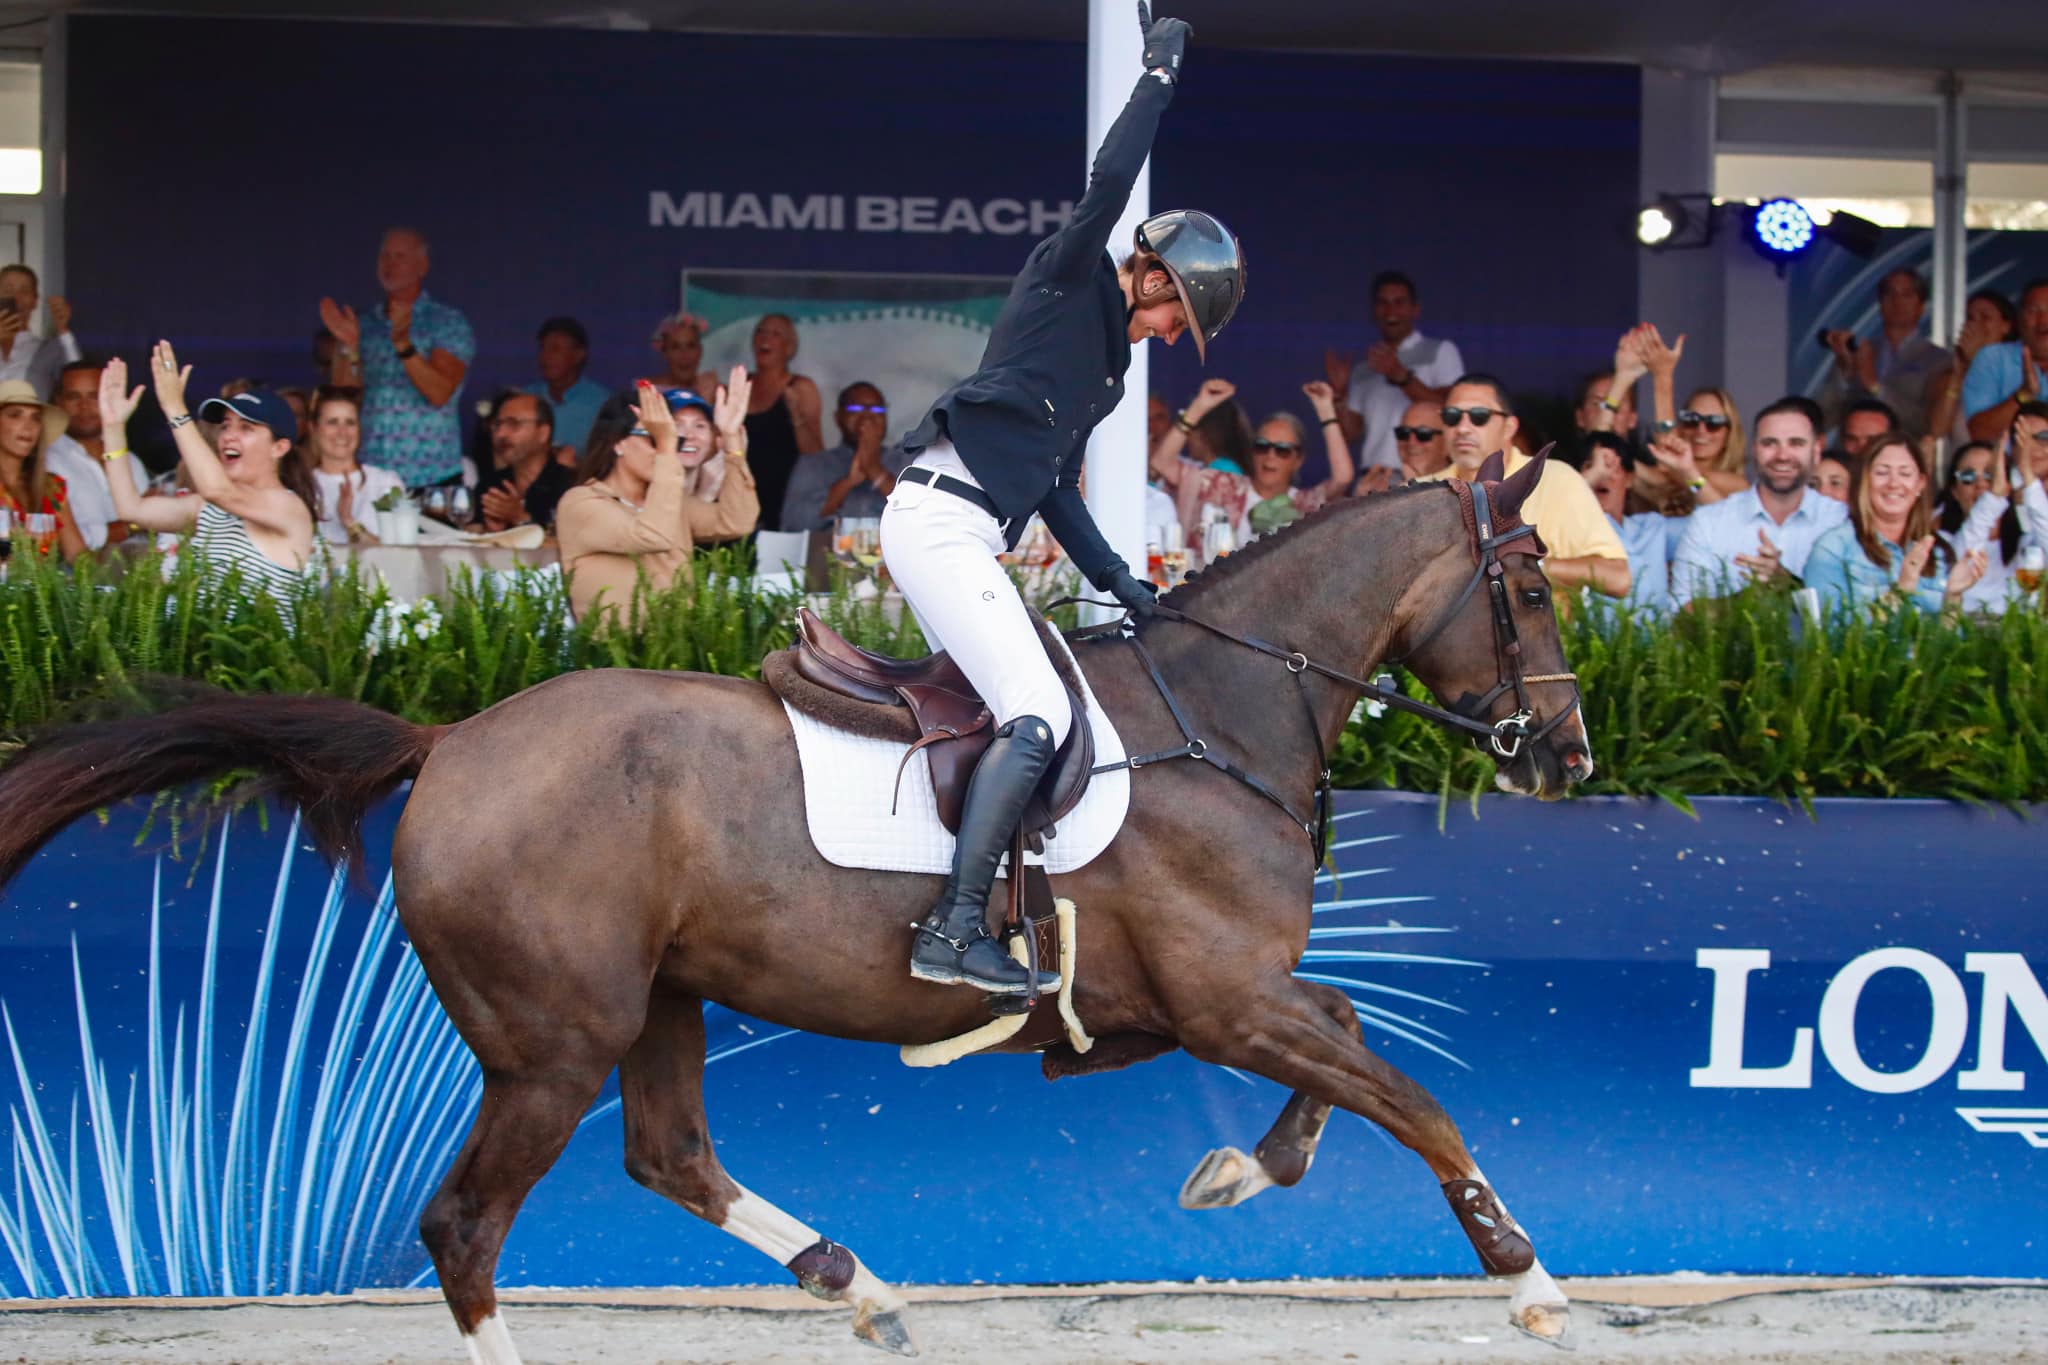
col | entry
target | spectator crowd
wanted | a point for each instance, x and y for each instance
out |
(1913, 481)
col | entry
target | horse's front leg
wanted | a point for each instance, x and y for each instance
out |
(1227, 1177)
(1285, 1033)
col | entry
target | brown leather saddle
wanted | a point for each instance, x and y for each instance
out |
(948, 721)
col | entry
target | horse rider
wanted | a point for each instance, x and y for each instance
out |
(1008, 441)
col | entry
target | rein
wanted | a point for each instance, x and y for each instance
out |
(1505, 736)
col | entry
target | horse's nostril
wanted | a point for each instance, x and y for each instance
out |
(1578, 762)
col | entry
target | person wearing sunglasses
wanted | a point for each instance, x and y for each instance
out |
(1010, 440)
(1584, 550)
(1699, 460)
(645, 499)
(853, 478)
(1420, 439)
(1265, 499)
(1980, 509)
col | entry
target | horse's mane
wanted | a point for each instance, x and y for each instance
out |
(1225, 569)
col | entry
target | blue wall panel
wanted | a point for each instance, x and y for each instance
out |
(1563, 944)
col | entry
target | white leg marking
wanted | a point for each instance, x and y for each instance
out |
(490, 1343)
(1536, 1304)
(769, 1230)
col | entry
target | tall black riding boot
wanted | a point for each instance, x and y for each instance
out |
(953, 943)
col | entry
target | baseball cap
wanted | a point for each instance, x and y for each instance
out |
(678, 399)
(260, 406)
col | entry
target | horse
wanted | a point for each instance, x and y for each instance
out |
(569, 864)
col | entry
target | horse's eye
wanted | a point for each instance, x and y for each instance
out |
(1535, 597)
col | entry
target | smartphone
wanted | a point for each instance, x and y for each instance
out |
(1822, 337)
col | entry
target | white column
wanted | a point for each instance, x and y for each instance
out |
(1951, 193)
(1116, 454)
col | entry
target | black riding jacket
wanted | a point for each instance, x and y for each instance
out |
(1056, 358)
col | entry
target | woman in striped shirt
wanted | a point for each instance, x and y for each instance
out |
(255, 509)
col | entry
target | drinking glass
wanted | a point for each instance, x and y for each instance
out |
(2028, 569)
(458, 505)
(437, 502)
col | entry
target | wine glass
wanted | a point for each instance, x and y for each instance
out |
(458, 505)
(436, 503)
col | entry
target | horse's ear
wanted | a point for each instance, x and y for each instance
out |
(1494, 469)
(1511, 494)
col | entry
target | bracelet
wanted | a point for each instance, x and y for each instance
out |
(1333, 421)
(109, 456)
(1608, 402)
(183, 419)
(408, 352)
(1696, 484)
(1180, 419)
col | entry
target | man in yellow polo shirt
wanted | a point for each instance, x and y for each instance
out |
(1584, 550)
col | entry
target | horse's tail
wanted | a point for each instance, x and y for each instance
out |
(331, 758)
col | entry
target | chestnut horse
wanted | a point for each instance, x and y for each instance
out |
(583, 865)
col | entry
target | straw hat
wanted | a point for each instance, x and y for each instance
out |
(14, 392)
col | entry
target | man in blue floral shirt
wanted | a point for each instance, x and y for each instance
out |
(411, 365)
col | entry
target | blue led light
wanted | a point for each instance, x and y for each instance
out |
(1783, 226)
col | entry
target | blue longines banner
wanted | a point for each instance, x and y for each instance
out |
(1750, 1041)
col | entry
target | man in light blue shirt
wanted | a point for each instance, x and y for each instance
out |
(1769, 528)
(564, 350)
(1647, 536)
(2004, 376)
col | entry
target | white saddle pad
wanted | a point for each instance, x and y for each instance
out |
(847, 784)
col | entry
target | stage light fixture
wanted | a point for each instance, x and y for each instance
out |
(1655, 224)
(1858, 236)
(1782, 227)
(1672, 221)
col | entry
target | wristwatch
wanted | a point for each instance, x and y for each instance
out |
(408, 351)
(1664, 426)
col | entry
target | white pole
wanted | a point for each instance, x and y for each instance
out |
(1951, 196)
(1116, 454)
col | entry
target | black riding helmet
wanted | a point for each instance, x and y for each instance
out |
(1205, 264)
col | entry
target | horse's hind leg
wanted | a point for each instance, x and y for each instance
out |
(521, 1127)
(1227, 1177)
(668, 1149)
(1286, 1034)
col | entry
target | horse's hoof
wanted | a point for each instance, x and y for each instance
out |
(887, 1330)
(1225, 1177)
(1549, 1323)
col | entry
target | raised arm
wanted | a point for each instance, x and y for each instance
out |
(1324, 399)
(1074, 249)
(1166, 456)
(150, 511)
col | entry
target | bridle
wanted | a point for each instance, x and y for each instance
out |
(1505, 736)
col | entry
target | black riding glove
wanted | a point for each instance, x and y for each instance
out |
(1166, 40)
(1134, 594)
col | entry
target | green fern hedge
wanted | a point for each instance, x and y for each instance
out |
(1735, 701)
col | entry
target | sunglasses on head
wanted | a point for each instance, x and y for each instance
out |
(1712, 421)
(1417, 433)
(880, 408)
(1480, 416)
(1284, 447)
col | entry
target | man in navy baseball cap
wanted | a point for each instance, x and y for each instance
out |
(261, 406)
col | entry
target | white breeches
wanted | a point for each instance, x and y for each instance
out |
(941, 551)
